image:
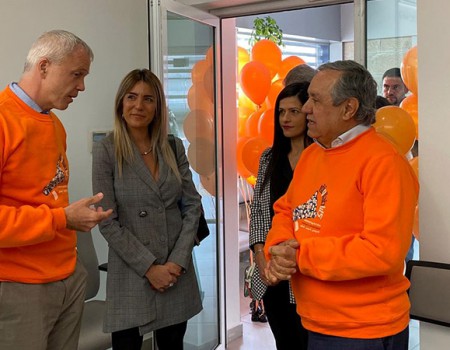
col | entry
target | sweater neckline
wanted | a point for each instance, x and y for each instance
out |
(30, 112)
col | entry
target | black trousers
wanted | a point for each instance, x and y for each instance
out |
(284, 321)
(167, 338)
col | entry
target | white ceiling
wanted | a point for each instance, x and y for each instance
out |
(235, 8)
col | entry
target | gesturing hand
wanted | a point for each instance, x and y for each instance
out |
(83, 216)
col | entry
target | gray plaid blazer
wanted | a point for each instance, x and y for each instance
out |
(147, 227)
(261, 222)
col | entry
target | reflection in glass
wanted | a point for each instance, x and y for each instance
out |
(189, 87)
(391, 32)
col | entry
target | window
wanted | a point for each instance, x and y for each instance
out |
(314, 52)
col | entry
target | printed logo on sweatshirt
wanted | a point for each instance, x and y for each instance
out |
(313, 209)
(60, 177)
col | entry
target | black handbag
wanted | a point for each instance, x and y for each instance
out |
(203, 229)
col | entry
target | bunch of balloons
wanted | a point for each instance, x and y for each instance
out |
(198, 125)
(261, 73)
(409, 73)
(400, 124)
(408, 70)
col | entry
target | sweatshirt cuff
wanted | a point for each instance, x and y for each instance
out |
(59, 218)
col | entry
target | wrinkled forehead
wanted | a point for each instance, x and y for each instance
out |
(77, 60)
(323, 82)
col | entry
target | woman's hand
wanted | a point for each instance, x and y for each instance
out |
(261, 262)
(174, 269)
(160, 277)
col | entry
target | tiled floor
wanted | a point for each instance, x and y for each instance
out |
(257, 335)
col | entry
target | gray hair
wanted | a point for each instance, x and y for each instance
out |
(355, 81)
(54, 45)
(299, 74)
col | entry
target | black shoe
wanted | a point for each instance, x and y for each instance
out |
(254, 311)
(255, 317)
(262, 318)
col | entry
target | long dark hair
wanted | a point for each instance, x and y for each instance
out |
(282, 144)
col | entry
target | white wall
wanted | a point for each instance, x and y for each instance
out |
(434, 153)
(117, 33)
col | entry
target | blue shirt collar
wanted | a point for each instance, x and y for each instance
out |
(25, 98)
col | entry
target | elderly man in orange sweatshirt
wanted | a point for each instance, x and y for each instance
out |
(342, 230)
(42, 286)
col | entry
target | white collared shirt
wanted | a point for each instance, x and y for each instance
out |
(347, 136)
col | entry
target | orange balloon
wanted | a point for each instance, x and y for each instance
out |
(266, 126)
(198, 123)
(245, 102)
(274, 91)
(255, 81)
(397, 126)
(287, 64)
(241, 168)
(269, 54)
(208, 83)
(209, 56)
(251, 152)
(198, 71)
(198, 99)
(243, 115)
(416, 231)
(209, 183)
(251, 180)
(243, 58)
(251, 126)
(415, 165)
(411, 105)
(201, 156)
(408, 69)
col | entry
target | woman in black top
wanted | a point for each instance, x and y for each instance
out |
(274, 176)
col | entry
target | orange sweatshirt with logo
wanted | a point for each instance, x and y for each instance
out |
(351, 208)
(35, 246)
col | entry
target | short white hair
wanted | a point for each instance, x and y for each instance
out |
(54, 45)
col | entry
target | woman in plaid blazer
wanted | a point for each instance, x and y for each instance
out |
(151, 282)
(275, 172)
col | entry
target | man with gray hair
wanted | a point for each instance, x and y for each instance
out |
(342, 230)
(42, 286)
(299, 74)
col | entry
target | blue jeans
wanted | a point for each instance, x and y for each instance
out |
(317, 341)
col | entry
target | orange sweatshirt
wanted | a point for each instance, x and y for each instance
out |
(351, 208)
(35, 246)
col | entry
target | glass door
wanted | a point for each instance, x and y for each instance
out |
(391, 32)
(391, 38)
(183, 51)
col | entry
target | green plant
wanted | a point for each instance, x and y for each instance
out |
(266, 28)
